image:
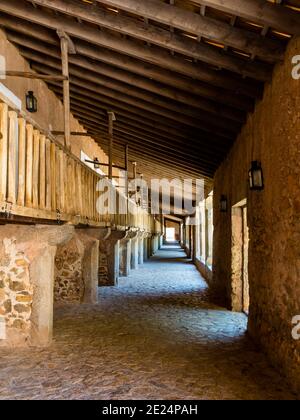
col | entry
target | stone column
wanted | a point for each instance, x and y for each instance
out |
(150, 245)
(155, 243)
(128, 253)
(91, 270)
(27, 256)
(156, 239)
(161, 241)
(109, 244)
(141, 247)
(76, 270)
(146, 246)
(134, 263)
(125, 257)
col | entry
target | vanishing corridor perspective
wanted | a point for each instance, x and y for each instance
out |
(149, 199)
(156, 336)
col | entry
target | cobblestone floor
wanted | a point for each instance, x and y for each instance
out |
(156, 336)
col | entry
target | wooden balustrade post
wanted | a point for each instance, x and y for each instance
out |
(53, 175)
(3, 149)
(29, 163)
(22, 162)
(42, 173)
(35, 172)
(12, 156)
(48, 175)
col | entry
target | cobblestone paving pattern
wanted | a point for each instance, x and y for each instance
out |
(156, 336)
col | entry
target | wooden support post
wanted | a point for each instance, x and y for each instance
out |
(126, 169)
(111, 119)
(30, 75)
(127, 183)
(67, 47)
(134, 164)
(66, 88)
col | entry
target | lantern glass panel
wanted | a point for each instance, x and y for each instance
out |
(223, 204)
(256, 180)
(96, 163)
(31, 102)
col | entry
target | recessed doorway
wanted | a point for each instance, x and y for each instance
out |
(170, 234)
(240, 250)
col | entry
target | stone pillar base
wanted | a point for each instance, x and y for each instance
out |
(109, 254)
(76, 270)
(134, 253)
(27, 282)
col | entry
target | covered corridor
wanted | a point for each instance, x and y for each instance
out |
(156, 336)
(124, 124)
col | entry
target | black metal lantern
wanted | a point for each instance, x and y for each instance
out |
(96, 163)
(256, 178)
(223, 204)
(31, 102)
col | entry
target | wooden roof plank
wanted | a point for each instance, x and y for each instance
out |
(160, 37)
(209, 28)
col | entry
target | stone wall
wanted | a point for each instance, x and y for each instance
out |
(27, 282)
(103, 269)
(76, 270)
(69, 284)
(16, 291)
(271, 135)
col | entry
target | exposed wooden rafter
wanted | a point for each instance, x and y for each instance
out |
(180, 76)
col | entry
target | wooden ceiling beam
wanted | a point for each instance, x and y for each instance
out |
(174, 131)
(148, 167)
(221, 128)
(113, 42)
(110, 86)
(262, 12)
(36, 36)
(175, 156)
(96, 106)
(149, 156)
(192, 153)
(152, 156)
(144, 109)
(212, 29)
(139, 92)
(160, 37)
(95, 109)
(154, 138)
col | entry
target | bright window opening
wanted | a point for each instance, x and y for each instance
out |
(170, 234)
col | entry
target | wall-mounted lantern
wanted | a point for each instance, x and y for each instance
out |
(223, 204)
(96, 163)
(256, 178)
(31, 102)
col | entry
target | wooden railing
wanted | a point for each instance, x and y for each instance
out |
(41, 179)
